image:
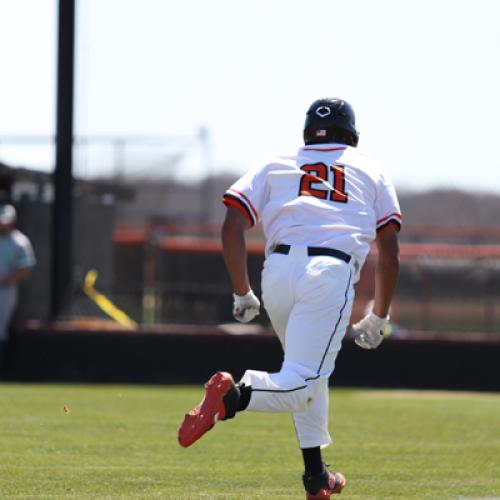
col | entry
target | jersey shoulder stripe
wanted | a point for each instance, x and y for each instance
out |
(395, 218)
(230, 200)
(245, 200)
(394, 215)
(390, 222)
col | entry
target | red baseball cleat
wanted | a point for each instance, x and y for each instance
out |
(322, 486)
(219, 403)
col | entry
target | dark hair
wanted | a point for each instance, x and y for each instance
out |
(333, 134)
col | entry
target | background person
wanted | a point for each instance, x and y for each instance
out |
(16, 260)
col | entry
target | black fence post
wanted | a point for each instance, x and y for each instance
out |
(62, 210)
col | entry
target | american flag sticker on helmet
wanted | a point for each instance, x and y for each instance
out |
(321, 133)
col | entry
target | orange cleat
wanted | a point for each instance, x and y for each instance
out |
(219, 403)
(324, 485)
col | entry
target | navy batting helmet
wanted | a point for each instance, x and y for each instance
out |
(330, 120)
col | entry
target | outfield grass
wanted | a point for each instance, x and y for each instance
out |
(120, 442)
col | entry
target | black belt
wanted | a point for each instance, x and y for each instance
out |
(312, 251)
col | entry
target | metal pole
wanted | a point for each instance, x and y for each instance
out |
(62, 209)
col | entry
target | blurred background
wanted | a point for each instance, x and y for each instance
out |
(175, 100)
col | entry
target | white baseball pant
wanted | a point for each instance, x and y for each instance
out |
(309, 302)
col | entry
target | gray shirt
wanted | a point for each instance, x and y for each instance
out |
(16, 253)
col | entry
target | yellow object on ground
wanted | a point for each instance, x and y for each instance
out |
(104, 303)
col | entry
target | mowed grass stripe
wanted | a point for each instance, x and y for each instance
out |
(77, 441)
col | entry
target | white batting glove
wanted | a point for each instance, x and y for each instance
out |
(245, 307)
(369, 332)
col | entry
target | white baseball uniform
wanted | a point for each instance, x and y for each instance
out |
(327, 196)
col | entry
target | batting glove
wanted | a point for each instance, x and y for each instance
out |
(245, 307)
(369, 332)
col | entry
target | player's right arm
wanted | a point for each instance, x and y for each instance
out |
(387, 269)
(369, 332)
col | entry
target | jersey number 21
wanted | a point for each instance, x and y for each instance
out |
(317, 174)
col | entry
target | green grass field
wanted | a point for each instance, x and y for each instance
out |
(120, 442)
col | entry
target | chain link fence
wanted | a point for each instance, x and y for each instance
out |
(152, 238)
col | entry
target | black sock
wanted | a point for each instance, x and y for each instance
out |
(245, 394)
(312, 461)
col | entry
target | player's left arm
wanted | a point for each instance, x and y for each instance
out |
(245, 304)
(234, 249)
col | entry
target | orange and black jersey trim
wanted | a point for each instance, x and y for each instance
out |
(239, 200)
(393, 219)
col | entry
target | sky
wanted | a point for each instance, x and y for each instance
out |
(422, 76)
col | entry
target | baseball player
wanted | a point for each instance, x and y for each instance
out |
(320, 211)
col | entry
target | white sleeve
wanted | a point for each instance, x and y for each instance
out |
(248, 194)
(25, 257)
(387, 205)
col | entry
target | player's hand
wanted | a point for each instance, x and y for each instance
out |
(370, 331)
(245, 307)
